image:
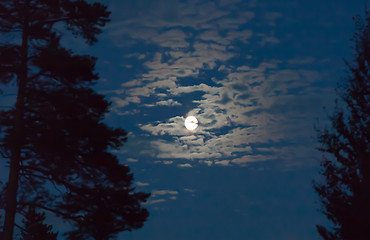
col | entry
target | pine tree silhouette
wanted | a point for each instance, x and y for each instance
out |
(55, 135)
(34, 227)
(345, 193)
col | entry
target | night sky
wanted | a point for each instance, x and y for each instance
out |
(256, 75)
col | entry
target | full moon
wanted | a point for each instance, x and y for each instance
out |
(191, 123)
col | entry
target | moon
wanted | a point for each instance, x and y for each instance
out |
(191, 123)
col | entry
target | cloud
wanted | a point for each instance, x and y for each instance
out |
(208, 162)
(240, 99)
(121, 113)
(119, 102)
(223, 163)
(151, 202)
(189, 190)
(185, 165)
(159, 196)
(169, 102)
(174, 126)
(142, 184)
(243, 161)
(132, 83)
(156, 193)
(202, 146)
(267, 39)
(174, 38)
(258, 118)
(131, 160)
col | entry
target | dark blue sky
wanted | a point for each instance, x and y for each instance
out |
(256, 75)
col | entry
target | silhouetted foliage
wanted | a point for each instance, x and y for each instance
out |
(34, 227)
(345, 194)
(54, 137)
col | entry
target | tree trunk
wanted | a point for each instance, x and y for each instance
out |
(17, 134)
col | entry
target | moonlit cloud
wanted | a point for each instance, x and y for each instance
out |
(223, 163)
(169, 102)
(239, 104)
(142, 184)
(119, 103)
(243, 161)
(160, 196)
(163, 192)
(131, 160)
(151, 202)
(185, 165)
(189, 190)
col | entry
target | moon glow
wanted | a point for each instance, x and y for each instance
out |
(191, 123)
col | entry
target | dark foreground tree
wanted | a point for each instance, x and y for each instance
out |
(57, 145)
(345, 194)
(34, 227)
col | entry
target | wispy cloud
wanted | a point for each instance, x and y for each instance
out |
(185, 165)
(189, 190)
(142, 184)
(131, 160)
(163, 192)
(169, 102)
(155, 201)
(238, 104)
(223, 163)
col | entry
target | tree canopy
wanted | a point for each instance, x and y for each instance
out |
(58, 146)
(34, 227)
(345, 192)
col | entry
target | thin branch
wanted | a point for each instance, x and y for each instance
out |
(51, 179)
(55, 211)
(21, 228)
(36, 75)
(27, 174)
(52, 21)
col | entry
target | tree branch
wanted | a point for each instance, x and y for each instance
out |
(36, 75)
(52, 21)
(21, 228)
(55, 211)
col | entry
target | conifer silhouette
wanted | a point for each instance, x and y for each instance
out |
(345, 192)
(34, 227)
(55, 139)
